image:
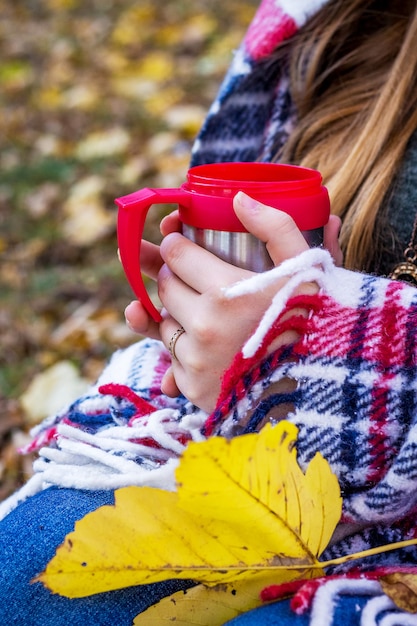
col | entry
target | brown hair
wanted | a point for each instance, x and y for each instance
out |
(353, 77)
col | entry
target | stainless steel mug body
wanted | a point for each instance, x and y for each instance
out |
(242, 249)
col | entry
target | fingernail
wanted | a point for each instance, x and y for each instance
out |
(126, 312)
(247, 202)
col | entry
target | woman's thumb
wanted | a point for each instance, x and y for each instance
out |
(276, 228)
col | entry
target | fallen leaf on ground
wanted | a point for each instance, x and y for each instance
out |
(52, 390)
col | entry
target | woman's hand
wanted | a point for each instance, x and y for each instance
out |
(190, 282)
(137, 317)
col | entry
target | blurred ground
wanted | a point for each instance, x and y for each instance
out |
(97, 99)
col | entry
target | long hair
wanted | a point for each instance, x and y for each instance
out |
(353, 78)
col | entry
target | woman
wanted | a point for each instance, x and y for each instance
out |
(330, 85)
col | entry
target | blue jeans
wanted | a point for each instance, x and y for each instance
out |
(29, 537)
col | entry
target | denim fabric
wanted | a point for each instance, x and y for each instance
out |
(29, 537)
(347, 611)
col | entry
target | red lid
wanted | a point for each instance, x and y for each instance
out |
(296, 190)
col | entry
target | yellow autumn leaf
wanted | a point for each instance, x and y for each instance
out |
(160, 101)
(242, 507)
(132, 21)
(157, 66)
(202, 605)
(272, 490)
(102, 144)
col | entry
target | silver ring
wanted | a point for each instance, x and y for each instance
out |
(173, 341)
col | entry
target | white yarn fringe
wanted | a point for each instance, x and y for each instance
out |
(95, 462)
(310, 266)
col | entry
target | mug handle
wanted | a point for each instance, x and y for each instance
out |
(133, 209)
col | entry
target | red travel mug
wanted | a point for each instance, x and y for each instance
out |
(205, 203)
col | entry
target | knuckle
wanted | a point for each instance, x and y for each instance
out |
(165, 278)
(203, 331)
(285, 223)
(174, 249)
(218, 298)
(193, 394)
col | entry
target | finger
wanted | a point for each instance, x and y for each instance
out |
(150, 259)
(173, 336)
(331, 239)
(177, 297)
(195, 266)
(140, 322)
(170, 223)
(277, 229)
(168, 384)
